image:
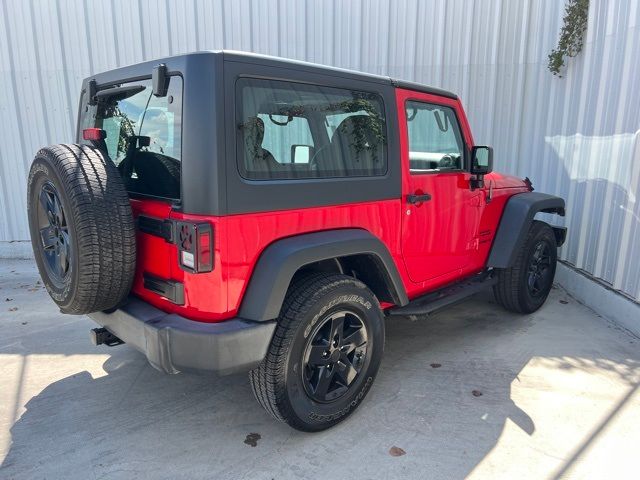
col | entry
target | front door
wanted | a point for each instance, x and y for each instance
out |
(440, 211)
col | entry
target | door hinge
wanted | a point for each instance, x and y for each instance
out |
(159, 227)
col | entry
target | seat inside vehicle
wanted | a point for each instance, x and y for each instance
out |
(154, 174)
(357, 138)
(261, 159)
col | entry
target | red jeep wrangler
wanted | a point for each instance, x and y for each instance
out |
(228, 211)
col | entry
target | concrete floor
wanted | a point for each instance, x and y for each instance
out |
(559, 400)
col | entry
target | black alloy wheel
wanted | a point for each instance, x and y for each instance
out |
(525, 286)
(55, 240)
(334, 355)
(539, 274)
(324, 354)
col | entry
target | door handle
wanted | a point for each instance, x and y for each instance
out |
(413, 199)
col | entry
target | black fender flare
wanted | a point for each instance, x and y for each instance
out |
(278, 263)
(515, 223)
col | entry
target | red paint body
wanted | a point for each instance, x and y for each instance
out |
(432, 244)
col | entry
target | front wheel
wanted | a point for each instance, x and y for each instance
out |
(524, 287)
(324, 355)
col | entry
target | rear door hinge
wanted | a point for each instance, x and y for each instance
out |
(159, 227)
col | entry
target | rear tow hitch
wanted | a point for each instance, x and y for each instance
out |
(102, 336)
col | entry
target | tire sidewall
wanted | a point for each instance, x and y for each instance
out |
(42, 171)
(544, 234)
(355, 298)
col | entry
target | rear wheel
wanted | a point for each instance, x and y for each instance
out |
(524, 287)
(324, 355)
(82, 229)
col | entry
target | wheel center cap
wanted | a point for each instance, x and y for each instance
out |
(335, 355)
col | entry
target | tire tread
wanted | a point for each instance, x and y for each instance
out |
(103, 223)
(508, 290)
(268, 380)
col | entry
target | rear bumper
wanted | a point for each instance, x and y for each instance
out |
(173, 343)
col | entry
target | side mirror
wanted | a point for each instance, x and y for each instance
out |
(160, 80)
(301, 153)
(481, 160)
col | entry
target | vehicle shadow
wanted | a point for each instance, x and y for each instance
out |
(443, 395)
(137, 422)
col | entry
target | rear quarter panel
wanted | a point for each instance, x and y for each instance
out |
(249, 234)
(205, 293)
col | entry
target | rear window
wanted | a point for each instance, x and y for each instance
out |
(290, 130)
(144, 135)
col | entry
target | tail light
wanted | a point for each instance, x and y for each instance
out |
(94, 134)
(195, 247)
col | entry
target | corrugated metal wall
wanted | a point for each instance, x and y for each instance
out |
(577, 136)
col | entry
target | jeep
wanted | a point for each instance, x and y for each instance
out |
(228, 212)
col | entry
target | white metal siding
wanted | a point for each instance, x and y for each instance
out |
(578, 136)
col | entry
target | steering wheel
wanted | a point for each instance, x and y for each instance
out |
(282, 124)
(313, 163)
(448, 161)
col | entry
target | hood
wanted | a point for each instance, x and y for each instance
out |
(501, 180)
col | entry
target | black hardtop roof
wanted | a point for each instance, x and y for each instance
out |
(248, 57)
(268, 60)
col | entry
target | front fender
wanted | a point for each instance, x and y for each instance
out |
(515, 223)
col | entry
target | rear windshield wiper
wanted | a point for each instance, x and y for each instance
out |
(118, 93)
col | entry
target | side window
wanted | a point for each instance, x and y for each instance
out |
(144, 136)
(291, 130)
(435, 141)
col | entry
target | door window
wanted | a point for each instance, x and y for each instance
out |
(435, 141)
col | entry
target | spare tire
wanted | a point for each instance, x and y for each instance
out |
(82, 228)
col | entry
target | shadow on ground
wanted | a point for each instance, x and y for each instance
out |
(135, 421)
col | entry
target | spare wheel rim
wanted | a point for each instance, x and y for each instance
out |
(54, 238)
